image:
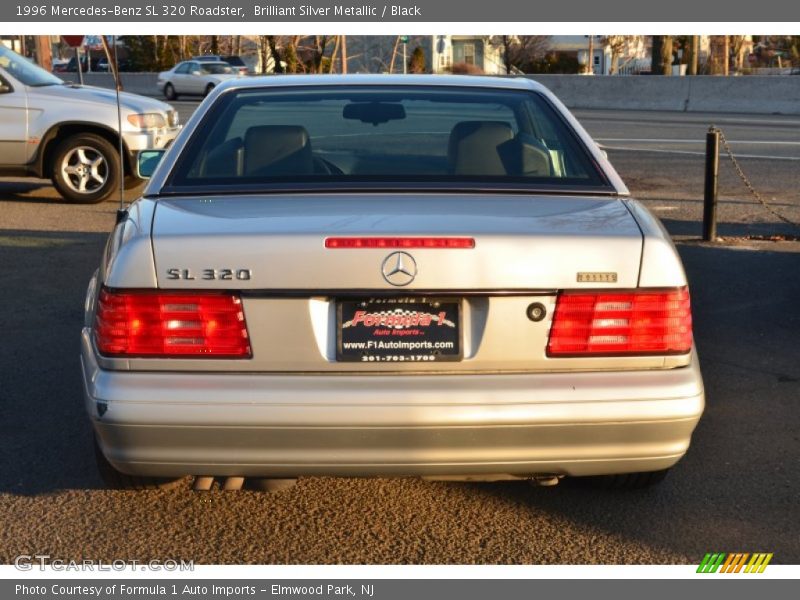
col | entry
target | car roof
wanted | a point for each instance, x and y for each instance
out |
(474, 81)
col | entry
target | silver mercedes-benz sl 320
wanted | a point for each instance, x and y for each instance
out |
(433, 276)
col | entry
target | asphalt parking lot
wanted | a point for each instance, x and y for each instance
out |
(736, 490)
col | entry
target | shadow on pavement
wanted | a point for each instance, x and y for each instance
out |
(45, 439)
(737, 488)
(37, 191)
(694, 228)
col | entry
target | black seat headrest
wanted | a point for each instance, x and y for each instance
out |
(474, 147)
(277, 150)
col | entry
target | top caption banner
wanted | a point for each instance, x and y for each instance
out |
(444, 11)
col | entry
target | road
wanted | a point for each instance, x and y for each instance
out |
(660, 155)
(736, 490)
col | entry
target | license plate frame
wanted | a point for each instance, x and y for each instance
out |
(402, 329)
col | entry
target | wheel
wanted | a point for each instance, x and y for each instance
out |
(169, 92)
(86, 168)
(627, 481)
(209, 87)
(117, 480)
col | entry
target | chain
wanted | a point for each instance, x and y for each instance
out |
(746, 181)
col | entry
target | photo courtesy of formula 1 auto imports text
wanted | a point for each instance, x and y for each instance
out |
(311, 299)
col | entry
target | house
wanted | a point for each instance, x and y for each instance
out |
(483, 52)
(609, 53)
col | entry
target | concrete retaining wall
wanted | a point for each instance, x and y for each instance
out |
(750, 94)
(136, 83)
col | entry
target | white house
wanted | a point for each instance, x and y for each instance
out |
(485, 52)
(631, 50)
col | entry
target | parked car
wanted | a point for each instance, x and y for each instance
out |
(236, 62)
(72, 65)
(438, 276)
(192, 77)
(103, 66)
(69, 133)
(60, 65)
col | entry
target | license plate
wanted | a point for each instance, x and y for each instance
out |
(398, 330)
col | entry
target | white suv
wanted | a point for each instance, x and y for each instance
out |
(70, 133)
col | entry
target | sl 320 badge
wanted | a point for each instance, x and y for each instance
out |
(211, 274)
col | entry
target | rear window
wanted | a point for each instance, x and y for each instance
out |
(217, 68)
(235, 61)
(344, 135)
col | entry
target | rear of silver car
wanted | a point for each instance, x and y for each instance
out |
(294, 408)
(467, 335)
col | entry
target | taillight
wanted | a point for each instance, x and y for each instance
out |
(621, 323)
(171, 324)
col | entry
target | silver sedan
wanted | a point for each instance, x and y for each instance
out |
(194, 78)
(404, 275)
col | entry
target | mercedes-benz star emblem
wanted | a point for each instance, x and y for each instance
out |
(399, 268)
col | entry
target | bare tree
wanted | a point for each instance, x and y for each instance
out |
(336, 44)
(619, 45)
(394, 54)
(526, 52)
(738, 47)
(695, 58)
(662, 55)
(506, 44)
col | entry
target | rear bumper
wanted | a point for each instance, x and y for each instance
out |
(170, 424)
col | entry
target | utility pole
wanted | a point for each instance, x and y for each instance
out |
(404, 39)
(44, 52)
(726, 55)
(344, 55)
(590, 61)
(112, 62)
(693, 65)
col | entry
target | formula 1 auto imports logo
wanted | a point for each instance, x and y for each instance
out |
(398, 319)
(736, 562)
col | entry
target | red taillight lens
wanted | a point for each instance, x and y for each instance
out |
(400, 242)
(621, 323)
(164, 324)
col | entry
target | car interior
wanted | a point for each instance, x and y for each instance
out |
(488, 148)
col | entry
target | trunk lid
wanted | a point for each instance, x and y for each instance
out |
(521, 242)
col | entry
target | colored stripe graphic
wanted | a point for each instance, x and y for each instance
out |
(729, 563)
(734, 562)
(711, 562)
(741, 562)
(765, 563)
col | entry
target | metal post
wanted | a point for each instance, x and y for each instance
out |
(710, 195)
(78, 63)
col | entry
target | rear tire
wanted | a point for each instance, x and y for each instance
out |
(627, 481)
(169, 92)
(117, 480)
